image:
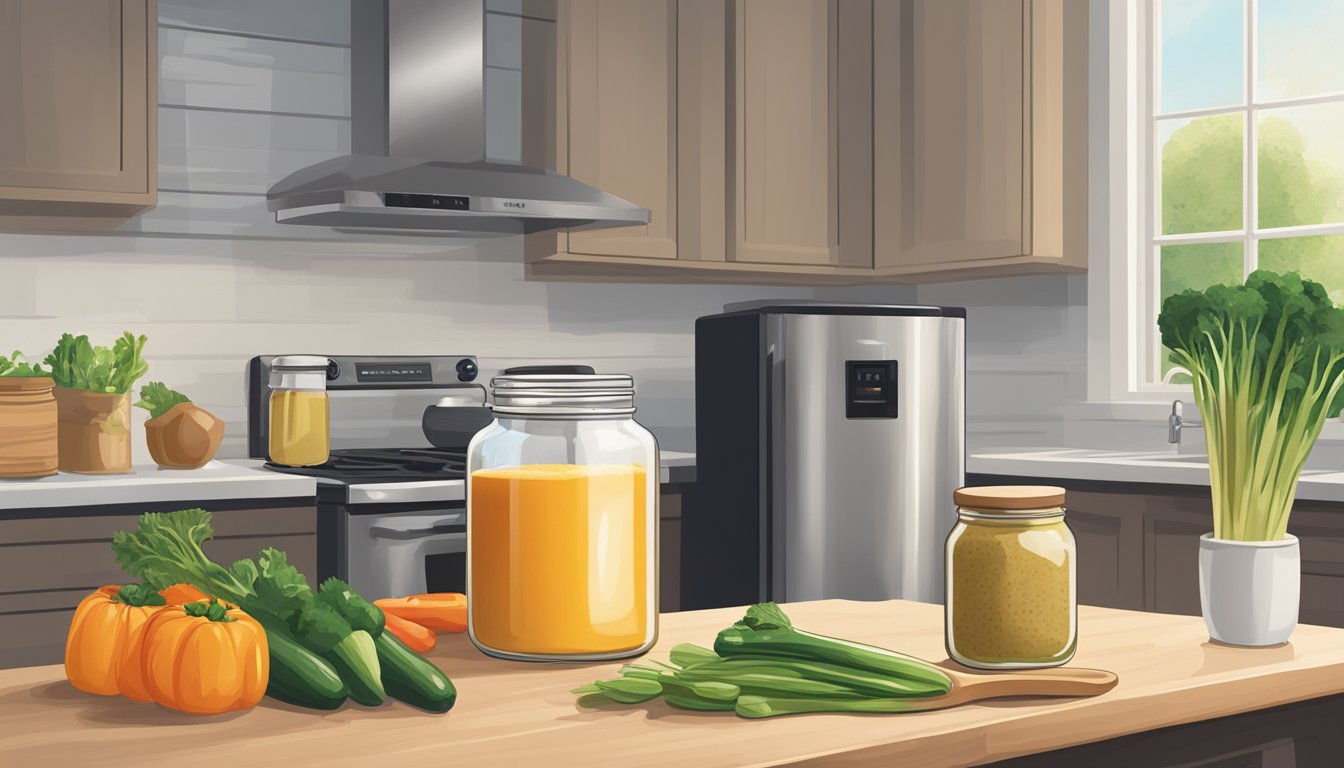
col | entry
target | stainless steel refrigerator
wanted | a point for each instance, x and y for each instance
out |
(829, 439)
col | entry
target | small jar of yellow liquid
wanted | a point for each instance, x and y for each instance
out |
(562, 522)
(299, 418)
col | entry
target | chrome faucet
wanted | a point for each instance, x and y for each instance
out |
(1176, 420)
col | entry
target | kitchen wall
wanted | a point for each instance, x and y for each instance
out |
(1026, 356)
(251, 90)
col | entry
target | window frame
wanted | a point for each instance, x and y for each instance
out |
(1141, 54)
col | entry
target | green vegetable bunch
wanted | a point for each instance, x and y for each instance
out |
(15, 367)
(77, 364)
(763, 667)
(334, 623)
(1267, 360)
(158, 399)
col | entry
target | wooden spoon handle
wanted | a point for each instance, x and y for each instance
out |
(1035, 682)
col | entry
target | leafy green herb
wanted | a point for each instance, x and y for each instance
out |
(77, 364)
(361, 614)
(158, 399)
(166, 550)
(15, 366)
(1267, 360)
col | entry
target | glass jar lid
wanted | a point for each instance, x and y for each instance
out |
(574, 395)
(1011, 500)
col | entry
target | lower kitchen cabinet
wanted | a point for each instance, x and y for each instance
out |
(49, 563)
(1138, 546)
(1110, 548)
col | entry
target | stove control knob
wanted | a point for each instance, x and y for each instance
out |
(466, 370)
(333, 370)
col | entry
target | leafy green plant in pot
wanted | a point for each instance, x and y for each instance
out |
(180, 434)
(93, 385)
(27, 419)
(1267, 363)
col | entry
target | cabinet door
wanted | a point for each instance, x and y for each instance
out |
(1172, 528)
(620, 57)
(76, 123)
(1320, 531)
(1109, 530)
(950, 137)
(802, 139)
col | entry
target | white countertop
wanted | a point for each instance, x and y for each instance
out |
(220, 479)
(1130, 467)
(232, 479)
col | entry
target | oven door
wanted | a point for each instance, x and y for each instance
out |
(405, 553)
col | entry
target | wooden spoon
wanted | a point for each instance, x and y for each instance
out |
(1060, 681)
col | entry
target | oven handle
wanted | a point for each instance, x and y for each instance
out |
(451, 525)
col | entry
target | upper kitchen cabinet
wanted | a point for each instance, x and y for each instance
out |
(620, 60)
(77, 113)
(825, 141)
(980, 137)
(802, 133)
(743, 126)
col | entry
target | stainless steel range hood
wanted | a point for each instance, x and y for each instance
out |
(421, 100)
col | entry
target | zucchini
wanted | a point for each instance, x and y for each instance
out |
(301, 677)
(356, 662)
(409, 677)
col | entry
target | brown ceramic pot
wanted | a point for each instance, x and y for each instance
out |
(27, 427)
(186, 437)
(94, 431)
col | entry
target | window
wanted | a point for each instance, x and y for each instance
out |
(1244, 139)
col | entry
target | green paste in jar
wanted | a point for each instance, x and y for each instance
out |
(1012, 595)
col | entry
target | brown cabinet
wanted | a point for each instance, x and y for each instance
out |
(980, 136)
(824, 141)
(802, 133)
(680, 107)
(1138, 548)
(1109, 531)
(49, 563)
(78, 102)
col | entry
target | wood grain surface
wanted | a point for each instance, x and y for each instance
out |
(516, 714)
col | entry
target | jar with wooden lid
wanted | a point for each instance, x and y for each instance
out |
(28, 427)
(1011, 579)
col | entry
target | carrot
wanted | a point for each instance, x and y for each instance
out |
(416, 637)
(181, 594)
(440, 611)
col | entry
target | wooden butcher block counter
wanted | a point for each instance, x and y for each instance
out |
(518, 715)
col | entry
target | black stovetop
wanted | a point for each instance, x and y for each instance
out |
(386, 465)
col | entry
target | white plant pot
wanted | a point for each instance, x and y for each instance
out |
(1249, 590)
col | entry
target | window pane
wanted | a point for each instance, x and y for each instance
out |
(1201, 173)
(1301, 165)
(1298, 51)
(1201, 62)
(1319, 258)
(1197, 266)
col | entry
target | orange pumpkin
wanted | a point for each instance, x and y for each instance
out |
(102, 650)
(205, 658)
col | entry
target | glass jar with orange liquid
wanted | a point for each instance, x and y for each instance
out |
(562, 521)
(299, 424)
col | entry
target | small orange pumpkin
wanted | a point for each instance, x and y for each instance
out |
(102, 650)
(205, 658)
